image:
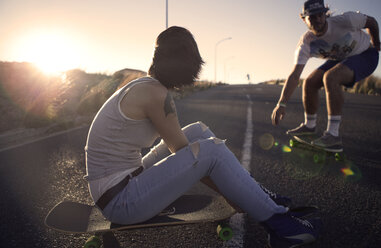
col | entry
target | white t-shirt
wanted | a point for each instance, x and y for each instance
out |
(344, 38)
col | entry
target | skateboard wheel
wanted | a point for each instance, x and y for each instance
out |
(293, 142)
(317, 158)
(224, 232)
(339, 157)
(93, 242)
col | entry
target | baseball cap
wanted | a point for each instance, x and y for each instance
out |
(312, 7)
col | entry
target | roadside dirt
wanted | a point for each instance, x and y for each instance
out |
(19, 136)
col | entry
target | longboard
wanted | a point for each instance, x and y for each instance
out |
(306, 140)
(197, 206)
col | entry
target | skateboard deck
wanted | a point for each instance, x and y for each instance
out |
(337, 151)
(198, 205)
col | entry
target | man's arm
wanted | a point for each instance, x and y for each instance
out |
(291, 83)
(289, 86)
(373, 30)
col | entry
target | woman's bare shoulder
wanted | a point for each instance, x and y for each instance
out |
(154, 90)
(149, 93)
(143, 97)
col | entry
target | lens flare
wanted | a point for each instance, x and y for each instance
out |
(266, 141)
(286, 149)
(351, 172)
(347, 171)
(300, 164)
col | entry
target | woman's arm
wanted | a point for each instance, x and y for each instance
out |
(161, 110)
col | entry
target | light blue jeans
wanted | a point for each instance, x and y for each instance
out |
(168, 176)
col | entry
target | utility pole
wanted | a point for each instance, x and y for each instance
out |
(166, 14)
(215, 57)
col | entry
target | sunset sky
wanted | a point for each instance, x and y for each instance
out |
(106, 36)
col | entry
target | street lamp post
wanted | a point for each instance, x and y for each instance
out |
(166, 14)
(215, 57)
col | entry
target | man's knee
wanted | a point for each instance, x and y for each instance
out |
(331, 77)
(338, 75)
(314, 81)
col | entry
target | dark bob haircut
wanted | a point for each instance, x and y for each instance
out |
(176, 61)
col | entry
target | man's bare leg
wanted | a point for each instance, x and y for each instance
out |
(311, 87)
(333, 79)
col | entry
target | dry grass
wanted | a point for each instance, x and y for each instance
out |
(369, 86)
(197, 86)
(30, 99)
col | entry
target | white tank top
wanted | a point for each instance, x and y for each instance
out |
(114, 142)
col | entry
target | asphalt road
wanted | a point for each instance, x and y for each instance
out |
(36, 176)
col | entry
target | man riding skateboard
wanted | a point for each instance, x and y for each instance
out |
(351, 55)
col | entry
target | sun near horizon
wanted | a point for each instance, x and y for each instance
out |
(52, 51)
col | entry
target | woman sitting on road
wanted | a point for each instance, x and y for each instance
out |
(130, 189)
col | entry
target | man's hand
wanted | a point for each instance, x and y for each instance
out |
(289, 86)
(278, 114)
(377, 46)
(372, 26)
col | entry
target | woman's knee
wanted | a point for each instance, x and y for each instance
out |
(202, 126)
(208, 144)
(195, 125)
(197, 130)
(212, 145)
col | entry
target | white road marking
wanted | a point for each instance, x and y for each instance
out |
(42, 138)
(237, 221)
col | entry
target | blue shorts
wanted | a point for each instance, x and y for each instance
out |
(363, 64)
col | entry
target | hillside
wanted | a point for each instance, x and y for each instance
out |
(31, 99)
(34, 104)
(370, 85)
